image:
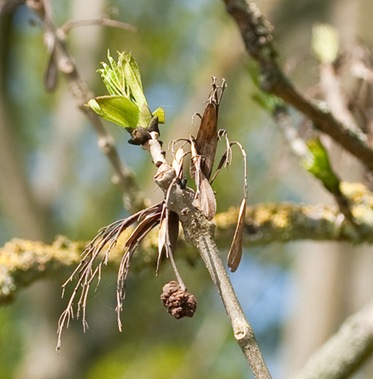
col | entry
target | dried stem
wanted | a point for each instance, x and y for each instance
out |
(88, 269)
(104, 21)
(97, 253)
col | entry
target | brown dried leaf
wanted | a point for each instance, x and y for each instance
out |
(222, 163)
(168, 235)
(235, 252)
(207, 135)
(162, 236)
(207, 138)
(205, 199)
(142, 229)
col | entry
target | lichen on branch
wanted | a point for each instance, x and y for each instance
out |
(23, 262)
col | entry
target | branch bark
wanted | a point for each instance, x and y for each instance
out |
(200, 233)
(256, 33)
(345, 352)
(286, 222)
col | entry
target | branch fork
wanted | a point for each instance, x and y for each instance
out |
(179, 204)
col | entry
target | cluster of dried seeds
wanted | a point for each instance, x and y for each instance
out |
(178, 301)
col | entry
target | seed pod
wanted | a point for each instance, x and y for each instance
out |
(179, 303)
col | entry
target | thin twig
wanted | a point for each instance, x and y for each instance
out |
(301, 150)
(104, 21)
(331, 86)
(55, 41)
(199, 231)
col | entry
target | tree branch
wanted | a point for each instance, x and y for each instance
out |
(23, 262)
(286, 222)
(345, 352)
(256, 33)
(200, 233)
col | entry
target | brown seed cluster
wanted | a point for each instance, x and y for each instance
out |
(179, 303)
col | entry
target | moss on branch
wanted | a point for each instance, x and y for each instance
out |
(286, 222)
(23, 262)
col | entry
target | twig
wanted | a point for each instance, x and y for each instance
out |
(257, 35)
(345, 352)
(55, 41)
(300, 149)
(330, 83)
(199, 231)
(104, 21)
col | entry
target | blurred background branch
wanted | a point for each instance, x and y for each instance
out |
(333, 360)
(61, 60)
(257, 35)
(23, 261)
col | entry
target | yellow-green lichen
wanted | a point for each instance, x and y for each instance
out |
(280, 220)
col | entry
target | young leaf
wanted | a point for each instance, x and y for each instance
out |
(159, 112)
(126, 104)
(117, 109)
(132, 77)
(318, 164)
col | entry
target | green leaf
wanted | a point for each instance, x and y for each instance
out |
(126, 105)
(133, 79)
(159, 112)
(117, 109)
(318, 164)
